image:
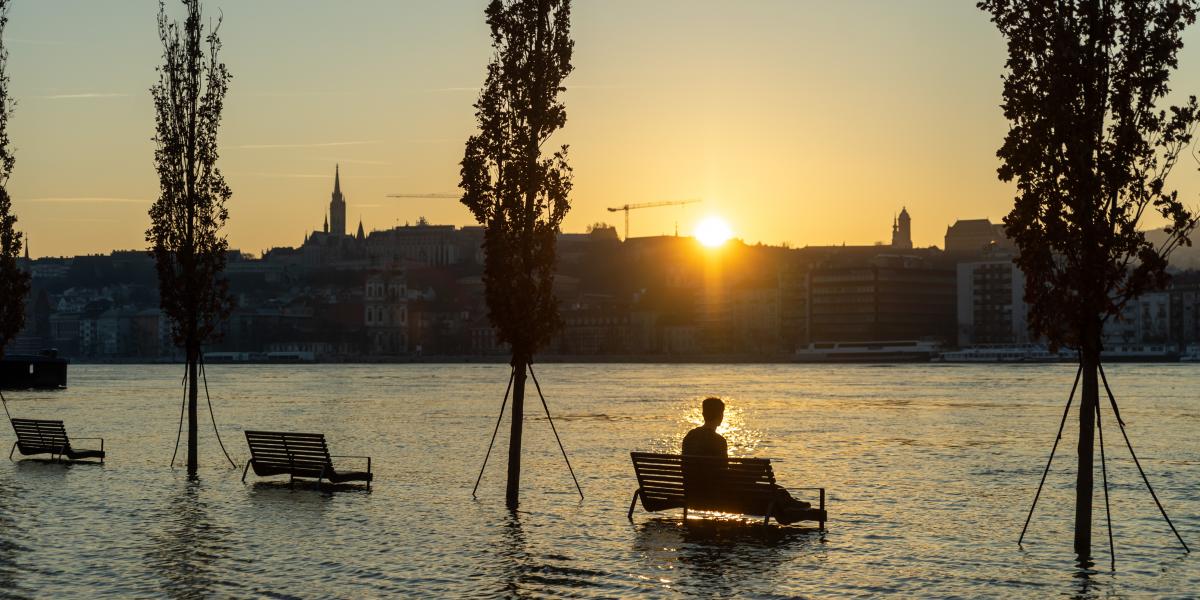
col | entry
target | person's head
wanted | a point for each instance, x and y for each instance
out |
(714, 411)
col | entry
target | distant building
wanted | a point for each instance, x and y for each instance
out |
(594, 330)
(151, 333)
(1144, 320)
(64, 332)
(756, 320)
(424, 244)
(890, 298)
(991, 302)
(973, 238)
(1185, 312)
(902, 231)
(386, 312)
(337, 206)
(793, 306)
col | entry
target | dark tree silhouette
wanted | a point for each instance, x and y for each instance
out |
(14, 283)
(186, 220)
(1090, 151)
(516, 193)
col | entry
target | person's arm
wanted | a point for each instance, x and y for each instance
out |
(724, 447)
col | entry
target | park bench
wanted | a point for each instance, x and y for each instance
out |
(40, 436)
(744, 486)
(298, 455)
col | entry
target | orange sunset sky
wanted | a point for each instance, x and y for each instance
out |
(797, 122)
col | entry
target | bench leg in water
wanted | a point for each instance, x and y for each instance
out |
(770, 511)
(822, 521)
(685, 515)
(244, 471)
(14, 449)
(632, 504)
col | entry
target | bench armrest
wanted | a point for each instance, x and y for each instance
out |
(353, 456)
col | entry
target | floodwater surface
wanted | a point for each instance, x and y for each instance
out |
(930, 471)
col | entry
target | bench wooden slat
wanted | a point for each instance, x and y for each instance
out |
(745, 485)
(48, 436)
(296, 455)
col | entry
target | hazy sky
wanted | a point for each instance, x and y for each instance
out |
(800, 122)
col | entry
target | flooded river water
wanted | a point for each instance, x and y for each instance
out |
(930, 471)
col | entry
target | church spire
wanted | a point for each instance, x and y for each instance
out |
(337, 205)
(26, 236)
(360, 229)
(327, 224)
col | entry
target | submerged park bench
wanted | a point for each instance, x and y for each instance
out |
(41, 436)
(745, 486)
(297, 455)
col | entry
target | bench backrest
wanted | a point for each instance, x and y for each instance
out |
(40, 433)
(297, 453)
(731, 484)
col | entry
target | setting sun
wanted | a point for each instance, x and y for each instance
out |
(713, 231)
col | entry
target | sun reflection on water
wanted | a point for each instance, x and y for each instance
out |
(742, 440)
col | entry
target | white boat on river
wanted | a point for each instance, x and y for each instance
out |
(869, 352)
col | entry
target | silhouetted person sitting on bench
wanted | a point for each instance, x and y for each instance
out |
(704, 481)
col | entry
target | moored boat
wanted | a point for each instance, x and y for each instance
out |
(868, 352)
(24, 371)
(1005, 353)
(1140, 353)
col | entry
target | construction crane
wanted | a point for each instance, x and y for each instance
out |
(628, 207)
(434, 195)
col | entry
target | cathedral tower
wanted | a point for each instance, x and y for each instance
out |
(902, 231)
(337, 206)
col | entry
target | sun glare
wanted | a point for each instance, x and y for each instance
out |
(713, 231)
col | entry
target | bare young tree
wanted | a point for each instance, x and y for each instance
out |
(186, 220)
(516, 193)
(1090, 151)
(14, 283)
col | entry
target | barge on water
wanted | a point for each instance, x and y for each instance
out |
(41, 371)
(868, 352)
(1005, 353)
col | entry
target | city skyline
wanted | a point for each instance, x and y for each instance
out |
(854, 117)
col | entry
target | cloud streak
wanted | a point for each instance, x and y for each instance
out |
(87, 200)
(449, 90)
(352, 161)
(297, 94)
(312, 176)
(30, 42)
(82, 96)
(460, 89)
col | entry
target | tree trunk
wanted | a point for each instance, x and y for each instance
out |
(1090, 397)
(512, 492)
(193, 364)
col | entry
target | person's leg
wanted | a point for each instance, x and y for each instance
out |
(784, 498)
(788, 509)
